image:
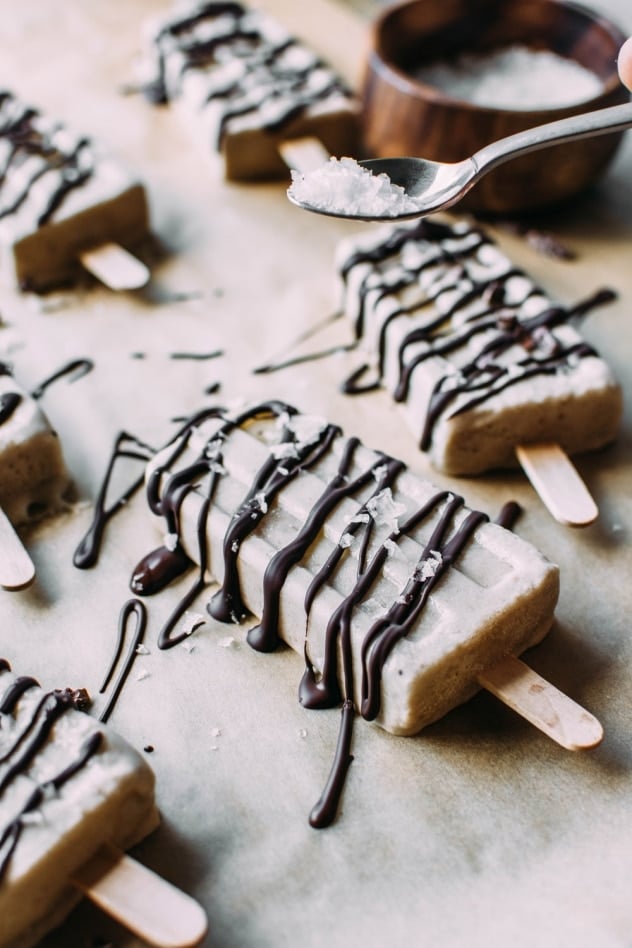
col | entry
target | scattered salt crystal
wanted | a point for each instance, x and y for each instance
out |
(516, 78)
(261, 502)
(171, 541)
(303, 733)
(32, 816)
(142, 674)
(345, 541)
(216, 732)
(384, 509)
(228, 641)
(192, 621)
(235, 546)
(306, 428)
(216, 468)
(187, 645)
(392, 548)
(286, 449)
(342, 186)
(428, 568)
(142, 650)
(360, 518)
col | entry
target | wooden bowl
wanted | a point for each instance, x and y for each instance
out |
(403, 116)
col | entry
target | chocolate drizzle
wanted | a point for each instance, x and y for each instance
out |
(125, 446)
(76, 368)
(501, 320)
(288, 459)
(275, 78)
(131, 609)
(34, 149)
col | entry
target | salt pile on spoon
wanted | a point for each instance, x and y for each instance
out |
(342, 186)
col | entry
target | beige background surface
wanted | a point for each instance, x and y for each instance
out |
(479, 831)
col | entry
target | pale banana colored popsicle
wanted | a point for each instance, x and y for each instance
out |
(68, 785)
(479, 357)
(426, 593)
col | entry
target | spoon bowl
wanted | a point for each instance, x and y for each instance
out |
(431, 186)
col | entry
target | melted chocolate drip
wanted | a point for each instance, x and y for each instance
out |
(301, 359)
(135, 609)
(158, 569)
(197, 356)
(77, 368)
(509, 514)
(125, 446)
(14, 692)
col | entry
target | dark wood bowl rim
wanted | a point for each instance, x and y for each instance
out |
(401, 80)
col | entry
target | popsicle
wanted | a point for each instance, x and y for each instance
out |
(481, 359)
(400, 596)
(33, 476)
(61, 198)
(72, 795)
(248, 88)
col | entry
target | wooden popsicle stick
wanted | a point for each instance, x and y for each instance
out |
(114, 266)
(541, 703)
(556, 480)
(16, 566)
(304, 154)
(142, 901)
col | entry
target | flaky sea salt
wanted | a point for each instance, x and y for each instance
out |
(342, 186)
(516, 78)
(385, 510)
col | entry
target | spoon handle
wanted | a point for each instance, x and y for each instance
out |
(613, 119)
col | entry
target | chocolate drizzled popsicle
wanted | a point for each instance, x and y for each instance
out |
(259, 96)
(484, 364)
(403, 601)
(64, 204)
(73, 794)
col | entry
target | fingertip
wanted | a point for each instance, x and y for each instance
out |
(624, 63)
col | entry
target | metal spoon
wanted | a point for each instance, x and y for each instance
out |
(435, 185)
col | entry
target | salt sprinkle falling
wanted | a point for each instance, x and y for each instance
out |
(142, 674)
